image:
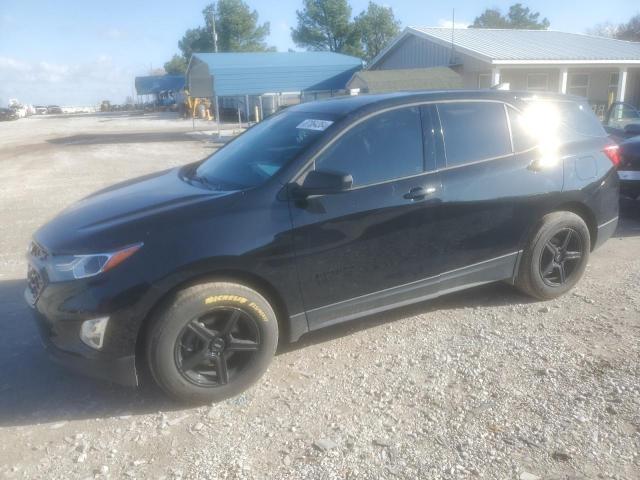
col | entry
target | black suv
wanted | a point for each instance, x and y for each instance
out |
(322, 213)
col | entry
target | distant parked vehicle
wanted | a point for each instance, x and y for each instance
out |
(20, 110)
(8, 114)
(54, 109)
(623, 125)
(40, 110)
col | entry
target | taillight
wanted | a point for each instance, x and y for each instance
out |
(613, 152)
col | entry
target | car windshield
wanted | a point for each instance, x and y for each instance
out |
(263, 150)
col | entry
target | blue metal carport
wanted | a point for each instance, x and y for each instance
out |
(244, 75)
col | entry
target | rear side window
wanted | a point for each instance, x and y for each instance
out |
(384, 147)
(474, 131)
(579, 121)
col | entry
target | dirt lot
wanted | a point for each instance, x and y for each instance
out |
(484, 383)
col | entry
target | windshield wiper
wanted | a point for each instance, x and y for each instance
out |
(215, 184)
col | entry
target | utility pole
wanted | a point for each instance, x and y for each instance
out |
(215, 35)
(452, 60)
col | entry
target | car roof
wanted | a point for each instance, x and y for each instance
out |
(347, 105)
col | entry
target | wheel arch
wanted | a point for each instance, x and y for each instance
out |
(251, 280)
(587, 215)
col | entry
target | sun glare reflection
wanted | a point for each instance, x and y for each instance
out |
(542, 120)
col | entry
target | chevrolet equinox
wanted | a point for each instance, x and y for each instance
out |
(325, 212)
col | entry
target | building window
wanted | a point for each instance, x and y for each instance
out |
(612, 91)
(578, 84)
(484, 80)
(538, 82)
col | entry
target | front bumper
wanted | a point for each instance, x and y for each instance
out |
(59, 310)
(78, 357)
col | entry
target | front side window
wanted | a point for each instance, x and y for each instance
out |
(263, 150)
(474, 131)
(384, 147)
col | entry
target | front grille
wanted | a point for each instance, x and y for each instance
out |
(35, 283)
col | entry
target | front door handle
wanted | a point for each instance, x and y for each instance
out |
(418, 193)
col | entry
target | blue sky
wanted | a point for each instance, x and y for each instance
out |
(80, 52)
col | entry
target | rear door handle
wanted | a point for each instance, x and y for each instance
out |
(418, 193)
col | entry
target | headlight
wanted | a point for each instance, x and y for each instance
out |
(70, 267)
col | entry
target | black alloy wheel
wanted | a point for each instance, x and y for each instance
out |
(211, 341)
(214, 348)
(555, 257)
(561, 255)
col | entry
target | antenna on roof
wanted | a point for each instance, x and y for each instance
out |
(452, 59)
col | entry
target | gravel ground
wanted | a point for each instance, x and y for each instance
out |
(483, 383)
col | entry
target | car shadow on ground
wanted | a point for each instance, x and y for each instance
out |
(35, 390)
(491, 295)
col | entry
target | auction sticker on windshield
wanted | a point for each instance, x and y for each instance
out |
(311, 124)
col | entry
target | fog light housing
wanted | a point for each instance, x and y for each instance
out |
(92, 332)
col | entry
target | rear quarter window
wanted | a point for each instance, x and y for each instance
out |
(552, 122)
(577, 121)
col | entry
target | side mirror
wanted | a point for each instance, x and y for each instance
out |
(324, 182)
(632, 128)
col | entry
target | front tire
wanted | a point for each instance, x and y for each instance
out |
(556, 257)
(211, 342)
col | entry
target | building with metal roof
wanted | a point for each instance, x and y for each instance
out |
(600, 69)
(405, 80)
(242, 79)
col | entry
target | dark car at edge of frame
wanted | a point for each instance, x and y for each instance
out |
(325, 212)
(623, 125)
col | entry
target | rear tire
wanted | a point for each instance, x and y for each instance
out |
(556, 257)
(211, 342)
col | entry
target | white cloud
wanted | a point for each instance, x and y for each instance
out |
(115, 33)
(448, 23)
(48, 83)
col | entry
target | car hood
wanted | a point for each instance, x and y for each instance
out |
(126, 213)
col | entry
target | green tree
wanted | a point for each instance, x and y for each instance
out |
(325, 25)
(176, 66)
(518, 17)
(630, 30)
(237, 30)
(375, 27)
(237, 27)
